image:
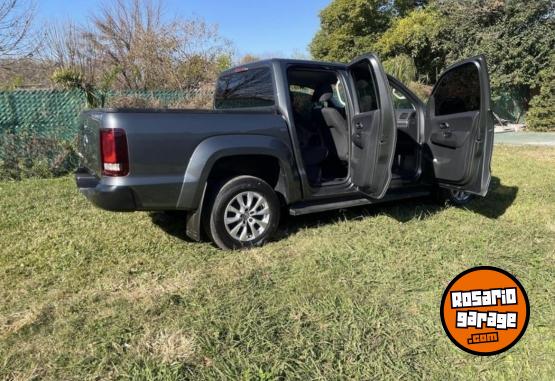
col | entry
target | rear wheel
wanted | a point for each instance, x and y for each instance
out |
(244, 213)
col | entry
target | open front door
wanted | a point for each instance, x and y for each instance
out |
(459, 127)
(373, 131)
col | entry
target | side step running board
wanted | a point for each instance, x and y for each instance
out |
(308, 208)
(314, 208)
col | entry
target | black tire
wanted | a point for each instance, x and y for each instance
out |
(259, 227)
(453, 197)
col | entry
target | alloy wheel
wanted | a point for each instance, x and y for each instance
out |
(247, 216)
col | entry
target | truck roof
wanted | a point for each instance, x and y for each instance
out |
(284, 61)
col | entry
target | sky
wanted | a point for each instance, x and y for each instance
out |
(264, 28)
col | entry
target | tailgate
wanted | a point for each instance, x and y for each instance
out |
(88, 142)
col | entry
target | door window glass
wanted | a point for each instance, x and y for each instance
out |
(458, 91)
(364, 86)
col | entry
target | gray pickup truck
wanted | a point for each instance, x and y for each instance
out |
(292, 136)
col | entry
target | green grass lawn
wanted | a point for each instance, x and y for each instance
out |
(88, 294)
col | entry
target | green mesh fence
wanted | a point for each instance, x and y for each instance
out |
(43, 113)
(164, 98)
(38, 127)
(51, 113)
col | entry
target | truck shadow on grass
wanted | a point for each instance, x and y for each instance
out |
(499, 199)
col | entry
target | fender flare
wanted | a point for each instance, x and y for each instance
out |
(212, 149)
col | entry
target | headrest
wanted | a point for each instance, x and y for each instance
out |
(362, 83)
(325, 97)
(320, 91)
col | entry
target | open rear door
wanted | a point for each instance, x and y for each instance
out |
(373, 131)
(459, 127)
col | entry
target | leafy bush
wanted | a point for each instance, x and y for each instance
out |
(24, 155)
(133, 102)
(541, 116)
(415, 37)
(401, 67)
(68, 78)
(201, 100)
(422, 90)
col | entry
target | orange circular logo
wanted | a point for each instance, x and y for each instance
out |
(485, 311)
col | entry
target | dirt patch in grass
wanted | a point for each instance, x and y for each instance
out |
(169, 347)
(147, 288)
(26, 319)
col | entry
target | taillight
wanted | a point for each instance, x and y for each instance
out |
(113, 152)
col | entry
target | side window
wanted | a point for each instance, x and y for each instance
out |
(458, 91)
(365, 88)
(249, 88)
(301, 99)
(400, 101)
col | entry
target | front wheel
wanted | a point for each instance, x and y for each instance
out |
(453, 197)
(244, 213)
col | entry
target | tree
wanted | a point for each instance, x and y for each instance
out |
(349, 28)
(16, 17)
(66, 48)
(517, 38)
(417, 35)
(144, 50)
(541, 116)
(403, 7)
(248, 58)
(224, 61)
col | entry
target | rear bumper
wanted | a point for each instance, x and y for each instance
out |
(114, 198)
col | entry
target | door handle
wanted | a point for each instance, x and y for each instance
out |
(444, 125)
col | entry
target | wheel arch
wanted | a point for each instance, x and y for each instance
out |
(228, 149)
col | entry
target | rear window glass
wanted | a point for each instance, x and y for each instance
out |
(251, 88)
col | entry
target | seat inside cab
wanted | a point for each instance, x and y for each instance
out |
(320, 117)
(321, 120)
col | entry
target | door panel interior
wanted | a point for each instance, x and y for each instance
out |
(459, 127)
(452, 147)
(366, 127)
(453, 131)
(373, 130)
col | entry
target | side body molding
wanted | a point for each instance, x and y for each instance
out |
(212, 149)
